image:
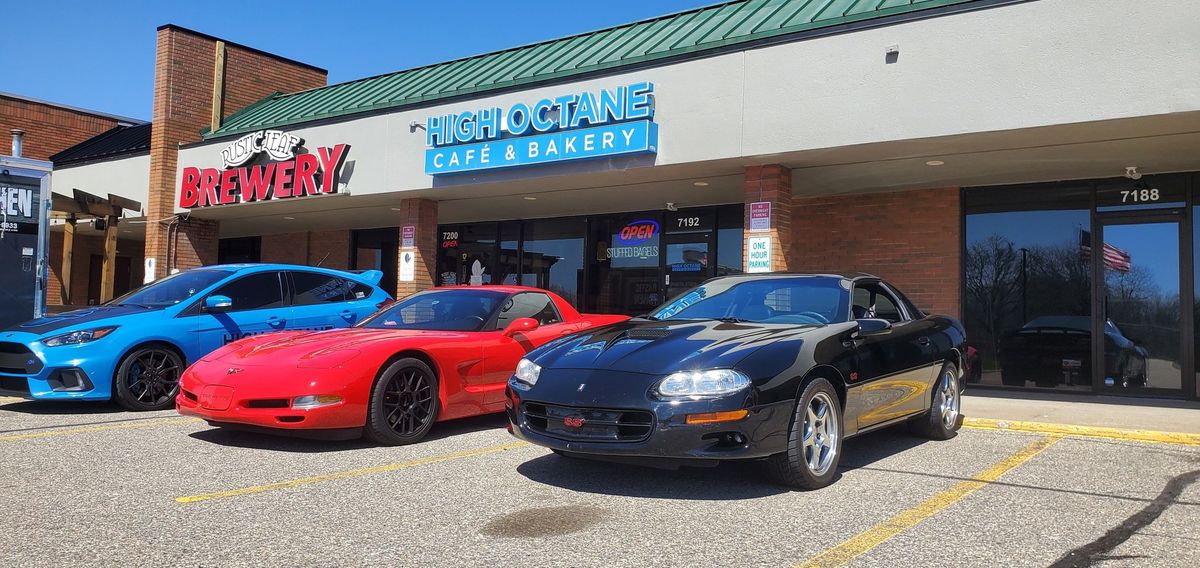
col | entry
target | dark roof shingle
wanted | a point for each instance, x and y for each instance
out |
(111, 143)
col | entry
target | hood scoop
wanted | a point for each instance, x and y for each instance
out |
(646, 333)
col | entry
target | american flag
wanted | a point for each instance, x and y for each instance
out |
(1114, 258)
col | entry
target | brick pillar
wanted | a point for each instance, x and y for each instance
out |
(772, 184)
(185, 71)
(422, 214)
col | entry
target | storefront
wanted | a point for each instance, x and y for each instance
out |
(919, 141)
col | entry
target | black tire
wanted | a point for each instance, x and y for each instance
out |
(148, 378)
(795, 467)
(404, 403)
(944, 417)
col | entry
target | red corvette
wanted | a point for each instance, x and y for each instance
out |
(438, 355)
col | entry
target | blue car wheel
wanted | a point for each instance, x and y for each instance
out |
(148, 378)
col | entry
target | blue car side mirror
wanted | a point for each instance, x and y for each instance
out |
(218, 303)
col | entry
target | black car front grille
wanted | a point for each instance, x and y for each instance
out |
(17, 359)
(588, 424)
(14, 385)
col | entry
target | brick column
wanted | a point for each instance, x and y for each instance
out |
(185, 71)
(772, 184)
(422, 214)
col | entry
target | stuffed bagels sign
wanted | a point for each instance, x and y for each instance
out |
(263, 166)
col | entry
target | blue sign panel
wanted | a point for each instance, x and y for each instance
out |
(639, 136)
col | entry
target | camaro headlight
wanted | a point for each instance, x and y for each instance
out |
(77, 337)
(527, 372)
(712, 382)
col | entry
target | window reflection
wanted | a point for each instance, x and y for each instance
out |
(553, 257)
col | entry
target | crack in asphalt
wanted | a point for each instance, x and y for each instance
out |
(1096, 551)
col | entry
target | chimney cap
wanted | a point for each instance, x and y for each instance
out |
(16, 131)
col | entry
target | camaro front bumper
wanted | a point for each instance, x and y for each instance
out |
(649, 429)
(261, 397)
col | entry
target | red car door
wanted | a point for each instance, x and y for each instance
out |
(501, 354)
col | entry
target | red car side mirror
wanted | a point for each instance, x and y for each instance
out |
(520, 325)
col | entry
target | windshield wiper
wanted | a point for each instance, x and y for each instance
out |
(731, 319)
(132, 304)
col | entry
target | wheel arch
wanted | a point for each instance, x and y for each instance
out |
(149, 343)
(829, 373)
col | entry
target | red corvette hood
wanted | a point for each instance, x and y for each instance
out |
(296, 348)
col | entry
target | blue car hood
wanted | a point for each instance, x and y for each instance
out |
(85, 318)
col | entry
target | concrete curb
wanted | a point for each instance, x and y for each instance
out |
(1084, 431)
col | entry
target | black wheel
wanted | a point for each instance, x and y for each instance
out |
(404, 403)
(944, 417)
(148, 378)
(814, 440)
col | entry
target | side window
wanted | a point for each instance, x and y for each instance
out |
(254, 292)
(358, 291)
(528, 305)
(873, 301)
(316, 288)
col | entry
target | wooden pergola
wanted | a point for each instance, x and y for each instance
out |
(83, 205)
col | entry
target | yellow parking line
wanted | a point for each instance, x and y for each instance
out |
(89, 429)
(1046, 428)
(874, 536)
(351, 473)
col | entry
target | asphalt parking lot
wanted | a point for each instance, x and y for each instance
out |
(92, 485)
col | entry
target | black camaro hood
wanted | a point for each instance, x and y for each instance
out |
(662, 347)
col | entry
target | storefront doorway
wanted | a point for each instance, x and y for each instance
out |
(626, 263)
(1140, 312)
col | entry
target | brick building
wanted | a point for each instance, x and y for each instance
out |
(925, 141)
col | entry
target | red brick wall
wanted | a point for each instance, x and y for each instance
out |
(183, 85)
(48, 129)
(773, 184)
(422, 213)
(910, 238)
(309, 248)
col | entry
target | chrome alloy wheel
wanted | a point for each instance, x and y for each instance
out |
(820, 433)
(947, 399)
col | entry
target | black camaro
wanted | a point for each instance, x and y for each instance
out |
(777, 367)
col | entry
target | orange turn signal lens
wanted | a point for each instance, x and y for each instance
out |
(711, 417)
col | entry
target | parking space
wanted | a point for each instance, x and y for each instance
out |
(92, 485)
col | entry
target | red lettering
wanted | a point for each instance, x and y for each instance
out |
(229, 186)
(331, 163)
(208, 187)
(283, 178)
(256, 182)
(189, 189)
(306, 170)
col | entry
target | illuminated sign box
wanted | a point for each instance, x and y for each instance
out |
(626, 138)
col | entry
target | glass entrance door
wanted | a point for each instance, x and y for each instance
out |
(688, 246)
(1139, 323)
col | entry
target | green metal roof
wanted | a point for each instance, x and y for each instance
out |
(697, 30)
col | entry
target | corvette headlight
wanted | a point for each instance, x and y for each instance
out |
(527, 372)
(713, 382)
(77, 337)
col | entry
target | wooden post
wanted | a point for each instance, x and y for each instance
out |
(108, 274)
(218, 94)
(68, 251)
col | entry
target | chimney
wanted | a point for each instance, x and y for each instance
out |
(18, 135)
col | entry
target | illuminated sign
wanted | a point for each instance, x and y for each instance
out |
(638, 232)
(292, 174)
(636, 240)
(611, 122)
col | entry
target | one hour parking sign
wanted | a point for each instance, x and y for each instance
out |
(758, 257)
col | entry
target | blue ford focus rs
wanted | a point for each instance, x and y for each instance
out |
(134, 348)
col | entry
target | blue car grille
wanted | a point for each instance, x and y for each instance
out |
(588, 424)
(17, 359)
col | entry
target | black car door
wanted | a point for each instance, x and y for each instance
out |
(895, 367)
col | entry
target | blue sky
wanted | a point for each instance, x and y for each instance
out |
(101, 55)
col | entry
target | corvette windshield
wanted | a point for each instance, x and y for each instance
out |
(443, 310)
(803, 300)
(172, 289)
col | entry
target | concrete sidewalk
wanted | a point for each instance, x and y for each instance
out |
(1127, 413)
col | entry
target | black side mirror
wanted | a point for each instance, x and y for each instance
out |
(868, 327)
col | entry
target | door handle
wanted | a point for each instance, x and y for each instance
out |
(347, 314)
(276, 322)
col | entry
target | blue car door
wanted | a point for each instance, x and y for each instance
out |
(323, 301)
(257, 307)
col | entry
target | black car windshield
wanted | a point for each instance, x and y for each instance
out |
(173, 289)
(802, 300)
(444, 310)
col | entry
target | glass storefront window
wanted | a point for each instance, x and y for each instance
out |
(508, 261)
(468, 255)
(625, 277)
(552, 256)
(730, 220)
(1027, 281)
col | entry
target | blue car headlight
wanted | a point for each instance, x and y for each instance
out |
(77, 337)
(711, 382)
(527, 374)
